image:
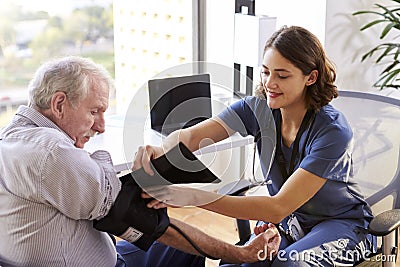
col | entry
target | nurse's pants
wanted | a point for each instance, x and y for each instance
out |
(329, 243)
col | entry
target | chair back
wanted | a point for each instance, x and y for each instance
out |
(375, 121)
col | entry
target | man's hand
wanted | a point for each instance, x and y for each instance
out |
(144, 155)
(264, 246)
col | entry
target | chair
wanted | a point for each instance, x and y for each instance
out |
(375, 121)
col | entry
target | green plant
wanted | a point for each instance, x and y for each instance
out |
(389, 51)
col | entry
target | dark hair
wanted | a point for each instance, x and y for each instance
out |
(304, 50)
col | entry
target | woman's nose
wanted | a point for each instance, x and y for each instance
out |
(269, 83)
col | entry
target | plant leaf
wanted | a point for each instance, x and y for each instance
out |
(387, 29)
(367, 12)
(387, 52)
(390, 67)
(372, 23)
(386, 80)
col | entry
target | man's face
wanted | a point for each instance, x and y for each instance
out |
(87, 117)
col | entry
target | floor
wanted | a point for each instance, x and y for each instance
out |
(214, 224)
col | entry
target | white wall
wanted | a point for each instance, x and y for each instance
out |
(219, 31)
(330, 20)
(345, 44)
(309, 14)
(220, 21)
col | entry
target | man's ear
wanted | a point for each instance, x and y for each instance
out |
(312, 77)
(57, 104)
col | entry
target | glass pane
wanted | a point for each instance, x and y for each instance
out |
(150, 37)
(32, 32)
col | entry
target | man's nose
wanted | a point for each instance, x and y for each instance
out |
(99, 124)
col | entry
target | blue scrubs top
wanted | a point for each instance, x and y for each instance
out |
(327, 154)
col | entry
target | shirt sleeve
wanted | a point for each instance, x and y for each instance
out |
(247, 116)
(79, 185)
(329, 154)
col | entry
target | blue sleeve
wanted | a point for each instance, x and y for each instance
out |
(329, 153)
(246, 115)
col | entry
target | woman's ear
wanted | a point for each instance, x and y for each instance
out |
(312, 77)
(57, 104)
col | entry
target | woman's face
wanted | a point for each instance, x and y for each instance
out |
(284, 84)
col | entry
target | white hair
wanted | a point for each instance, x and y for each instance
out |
(72, 75)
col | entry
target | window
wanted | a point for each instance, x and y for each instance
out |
(150, 36)
(134, 40)
(32, 32)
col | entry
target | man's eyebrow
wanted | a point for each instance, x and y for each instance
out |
(99, 106)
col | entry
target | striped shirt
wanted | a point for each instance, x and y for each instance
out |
(50, 191)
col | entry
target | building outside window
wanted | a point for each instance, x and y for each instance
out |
(134, 40)
(150, 37)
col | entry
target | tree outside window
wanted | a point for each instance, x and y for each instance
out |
(29, 37)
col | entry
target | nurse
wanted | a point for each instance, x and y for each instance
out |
(313, 196)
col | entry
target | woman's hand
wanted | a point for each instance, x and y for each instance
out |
(177, 196)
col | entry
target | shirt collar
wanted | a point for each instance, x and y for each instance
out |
(38, 119)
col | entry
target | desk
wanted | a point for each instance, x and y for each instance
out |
(125, 133)
(122, 140)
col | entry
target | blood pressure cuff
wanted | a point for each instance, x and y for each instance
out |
(130, 219)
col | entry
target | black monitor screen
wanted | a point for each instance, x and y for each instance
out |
(179, 102)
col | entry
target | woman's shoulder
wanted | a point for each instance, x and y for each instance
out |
(331, 114)
(254, 102)
(249, 105)
(331, 118)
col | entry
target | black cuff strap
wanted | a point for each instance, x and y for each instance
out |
(192, 243)
(130, 219)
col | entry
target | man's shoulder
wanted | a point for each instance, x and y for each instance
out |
(43, 136)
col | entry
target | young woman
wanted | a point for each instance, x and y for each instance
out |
(310, 180)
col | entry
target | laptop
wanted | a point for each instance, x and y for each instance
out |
(179, 102)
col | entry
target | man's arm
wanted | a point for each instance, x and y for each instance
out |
(269, 240)
(132, 220)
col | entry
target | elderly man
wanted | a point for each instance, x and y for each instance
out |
(51, 190)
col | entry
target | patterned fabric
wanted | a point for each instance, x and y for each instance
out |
(49, 193)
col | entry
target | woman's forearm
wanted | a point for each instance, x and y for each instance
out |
(263, 208)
